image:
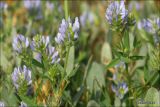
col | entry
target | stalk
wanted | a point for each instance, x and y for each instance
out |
(66, 9)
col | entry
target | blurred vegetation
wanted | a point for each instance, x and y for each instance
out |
(94, 50)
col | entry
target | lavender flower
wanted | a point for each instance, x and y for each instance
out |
(20, 43)
(120, 65)
(146, 25)
(3, 5)
(65, 30)
(86, 17)
(39, 42)
(2, 104)
(23, 104)
(49, 5)
(157, 22)
(52, 54)
(29, 4)
(83, 18)
(121, 89)
(115, 10)
(21, 75)
(134, 5)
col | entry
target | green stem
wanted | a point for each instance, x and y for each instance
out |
(129, 83)
(66, 9)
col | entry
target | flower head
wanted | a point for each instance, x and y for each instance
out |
(121, 89)
(49, 5)
(29, 4)
(39, 42)
(21, 75)
(115, 10)
(19, 43)
(67, 30)
(52, 54)
(146, 25)
(86, 17)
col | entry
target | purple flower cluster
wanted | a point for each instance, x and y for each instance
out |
(52, 54)
(21, 75)
(146, 25)
(42, 43)
(20, 43)
(39, 42)
(115, 10)
(120, 90)
(64, 30)
(32, 3)
(152, 27)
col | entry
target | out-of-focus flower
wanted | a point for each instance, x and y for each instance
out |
(3, 5)
(19, 43)
(86, 17)
(134, 5)
(52, 54)
(23, 104)
(2, 104)
(120, 90)
(157, 22)
(115, 11)
(32, 3)
(83, 19)
(21, 76)
(146, 25)
(76, 27)
(65, 30)
(49, 5)
(39, 42)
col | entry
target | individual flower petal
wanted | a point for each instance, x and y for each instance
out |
(23, 104)
(76, 25)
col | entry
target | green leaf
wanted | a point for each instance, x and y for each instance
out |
(126, 40)
(73, 71)
(117, 102)
(96, 72)
(28, 101)
(113, 63)
(106, 54)
(152, 97)
(78, 95)
(136, 57)
(107, 101)
(35, 62)
(70, 61)
(93, 103)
